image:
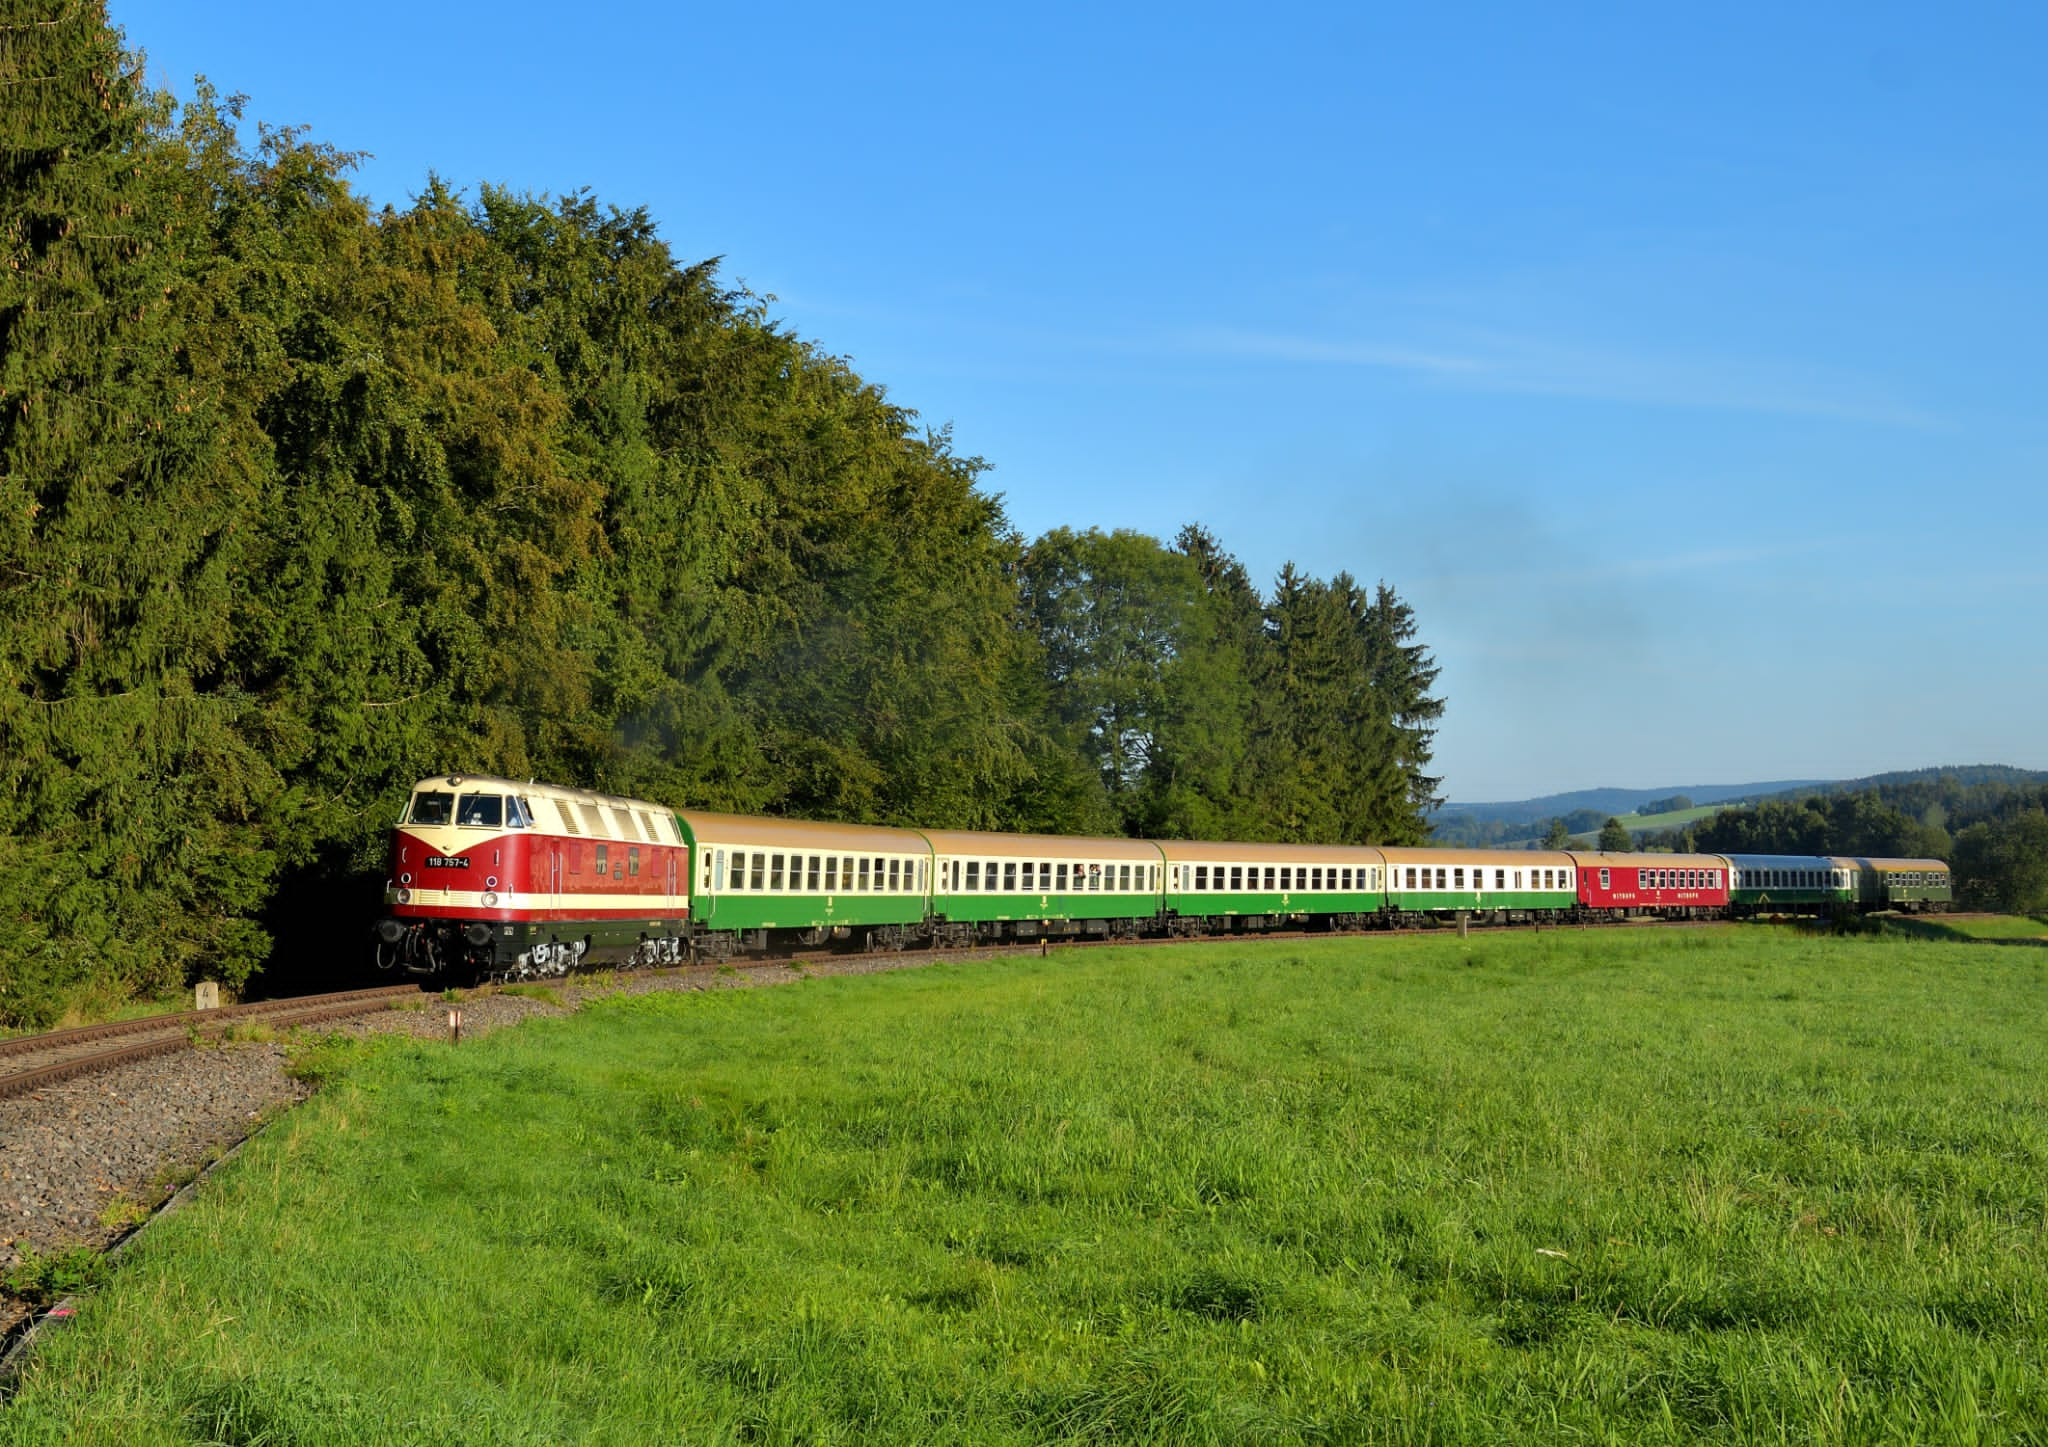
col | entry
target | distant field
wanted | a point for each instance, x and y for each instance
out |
(1676, 818)
(1649, 823)
(1657, 1185)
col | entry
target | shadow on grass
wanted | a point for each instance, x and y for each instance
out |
(1933, 927)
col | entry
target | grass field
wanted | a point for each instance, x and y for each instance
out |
(1991, 929)
(1723, 1185)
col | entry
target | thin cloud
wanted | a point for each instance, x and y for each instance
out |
(1500, 363)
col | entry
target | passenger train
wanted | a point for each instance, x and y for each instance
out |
(493, 878)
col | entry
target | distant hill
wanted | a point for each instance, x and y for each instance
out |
(1616, 801)
(1515, 823)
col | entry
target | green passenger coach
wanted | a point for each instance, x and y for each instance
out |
(1211, 887)
(755, 881)
(1029, 886)
(1501, 882)
(1794, 883)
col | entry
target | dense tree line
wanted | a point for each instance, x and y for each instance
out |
(305, 501)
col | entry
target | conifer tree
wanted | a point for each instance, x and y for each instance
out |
(133, 799)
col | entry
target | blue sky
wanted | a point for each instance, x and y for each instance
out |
(1683, 367)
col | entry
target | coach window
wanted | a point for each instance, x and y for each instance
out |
(1009, 878)
(775, 873)
(1201, 877)
(863, 868)
(1123, 878)
(1440, 877)
(831, 874)
(973, 876)
(1457, 879)
(1605, 878)
(814, 872)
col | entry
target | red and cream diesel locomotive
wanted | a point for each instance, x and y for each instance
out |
(494, 877)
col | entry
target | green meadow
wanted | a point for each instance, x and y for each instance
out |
(1720, 1185)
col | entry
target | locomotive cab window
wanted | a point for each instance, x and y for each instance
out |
(518, 813)
(430, 807)
(482, 811)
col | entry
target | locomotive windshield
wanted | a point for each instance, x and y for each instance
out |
(430, 807)
(486, 810)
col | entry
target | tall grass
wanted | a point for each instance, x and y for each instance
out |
(1730, 1185)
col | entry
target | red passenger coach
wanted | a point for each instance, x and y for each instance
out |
(498, 879)
(1674, 884)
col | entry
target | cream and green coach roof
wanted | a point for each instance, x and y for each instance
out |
(1202, 851)
(720, 831)
(971, 844)
(1504, 858)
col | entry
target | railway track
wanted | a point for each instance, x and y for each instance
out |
(30, 1062)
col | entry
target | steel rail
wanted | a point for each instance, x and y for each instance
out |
(143, 1024)
(183, 1031)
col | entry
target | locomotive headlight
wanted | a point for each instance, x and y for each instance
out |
(489, 899)
(405, 896)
